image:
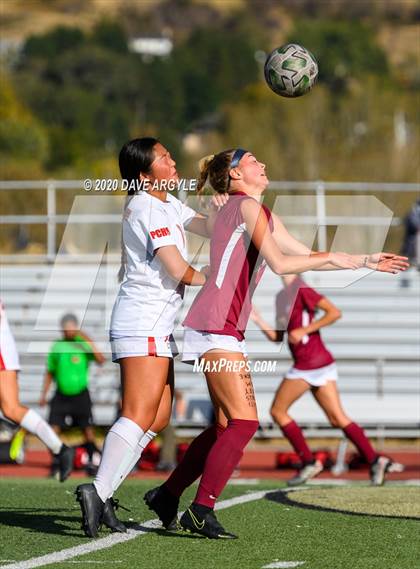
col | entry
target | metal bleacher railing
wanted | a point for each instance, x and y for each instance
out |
(376, 343)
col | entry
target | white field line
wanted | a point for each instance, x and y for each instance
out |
(283, 564)
(113, 539)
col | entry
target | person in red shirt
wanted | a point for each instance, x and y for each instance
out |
(313, 368)
(243, 242)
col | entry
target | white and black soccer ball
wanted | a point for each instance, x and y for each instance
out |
(291, 70)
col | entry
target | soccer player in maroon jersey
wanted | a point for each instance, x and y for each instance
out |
(313, 368)
(242, 243)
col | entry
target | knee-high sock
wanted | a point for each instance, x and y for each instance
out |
(357, 436)
(141, 445)
(36, 425)
(222, 460)
(294, 435)
(119, 450)
(192, 465)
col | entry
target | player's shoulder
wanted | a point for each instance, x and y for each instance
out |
(142, 206)
(250, 206)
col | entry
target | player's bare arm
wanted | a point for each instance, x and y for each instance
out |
(177, 268)
(382, 262)
(331, 315)
(258, 228)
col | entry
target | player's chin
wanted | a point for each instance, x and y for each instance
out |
(263, 182)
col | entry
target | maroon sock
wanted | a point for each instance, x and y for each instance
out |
(357, 436)
(294, 435)
(222, 460)
(192, 465)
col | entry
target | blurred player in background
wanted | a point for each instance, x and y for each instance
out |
(313, 368)
(68, 367)
(14, 411)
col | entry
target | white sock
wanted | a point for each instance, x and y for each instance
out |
(120, 447)
(141, 445)
(36, 425)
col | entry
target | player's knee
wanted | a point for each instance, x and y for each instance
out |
(10, 411)
(337, 420)
(278, 414)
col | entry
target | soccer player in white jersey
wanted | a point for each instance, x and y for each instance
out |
(154, 274)
(15, 411)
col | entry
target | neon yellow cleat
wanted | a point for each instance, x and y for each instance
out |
(16, 452)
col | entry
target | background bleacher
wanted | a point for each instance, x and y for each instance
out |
(376, 343)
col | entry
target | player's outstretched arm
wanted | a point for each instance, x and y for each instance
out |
(258, 228)
(383, 262)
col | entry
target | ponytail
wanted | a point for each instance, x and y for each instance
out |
(216, 167)
(203, 167)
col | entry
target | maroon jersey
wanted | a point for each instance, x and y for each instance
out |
(224, 303)
(296, 304)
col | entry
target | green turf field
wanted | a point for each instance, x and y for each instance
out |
(313, 528)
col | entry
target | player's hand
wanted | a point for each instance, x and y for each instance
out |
(218, 201)
(387, 263)
(295, 336)
(42, 401)
(344, 261)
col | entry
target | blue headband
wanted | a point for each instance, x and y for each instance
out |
(236, 158)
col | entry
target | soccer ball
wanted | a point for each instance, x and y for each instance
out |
(291, 70)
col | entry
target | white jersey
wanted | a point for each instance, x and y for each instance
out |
(9, 358)
(149, 299)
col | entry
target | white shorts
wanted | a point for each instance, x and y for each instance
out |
(316, 377)
(198, 343)
(131, 346)
(9, 357)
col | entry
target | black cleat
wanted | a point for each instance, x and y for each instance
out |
(65, 460)
(165, 506)
(208, 526)
(92, 509)
(110, 519)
